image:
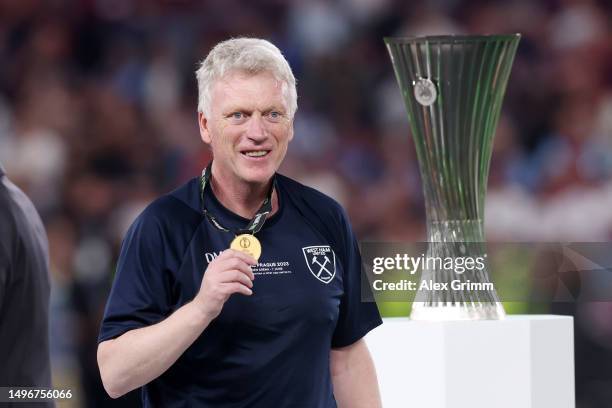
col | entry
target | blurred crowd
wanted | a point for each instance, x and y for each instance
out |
(98, 117)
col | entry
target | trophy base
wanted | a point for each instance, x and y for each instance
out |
(444, 311)
(518, 362)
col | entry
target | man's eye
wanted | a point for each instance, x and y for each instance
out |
(237, 118)
(274, 116)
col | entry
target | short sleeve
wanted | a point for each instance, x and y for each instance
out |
(141, 291)
(356, 318)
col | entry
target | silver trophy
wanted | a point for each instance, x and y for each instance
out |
(453, 88)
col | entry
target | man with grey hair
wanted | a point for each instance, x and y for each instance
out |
(242, 287)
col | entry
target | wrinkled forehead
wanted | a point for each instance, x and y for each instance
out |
(235, 78)
(250, 88)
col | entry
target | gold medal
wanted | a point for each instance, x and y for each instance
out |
(248, 244)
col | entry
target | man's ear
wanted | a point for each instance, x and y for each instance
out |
(204, 128)
(291, 130)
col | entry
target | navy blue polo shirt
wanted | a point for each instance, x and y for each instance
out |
(270, 349)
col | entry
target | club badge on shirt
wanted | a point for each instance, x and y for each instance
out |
(321, 262)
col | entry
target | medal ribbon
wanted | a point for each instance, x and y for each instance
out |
(256, 222)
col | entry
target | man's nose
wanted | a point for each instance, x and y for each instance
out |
(256, 128)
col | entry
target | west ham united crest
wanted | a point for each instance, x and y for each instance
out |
(321, 262)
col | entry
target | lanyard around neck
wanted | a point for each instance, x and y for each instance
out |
(256, 222)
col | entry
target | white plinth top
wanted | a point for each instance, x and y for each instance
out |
(509, 318)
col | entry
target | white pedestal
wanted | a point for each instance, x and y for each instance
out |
(520, 362)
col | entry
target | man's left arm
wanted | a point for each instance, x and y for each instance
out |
(354, 376)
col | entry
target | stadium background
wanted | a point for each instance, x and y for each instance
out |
(97, 118)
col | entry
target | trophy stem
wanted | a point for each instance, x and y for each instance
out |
(456, 256)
